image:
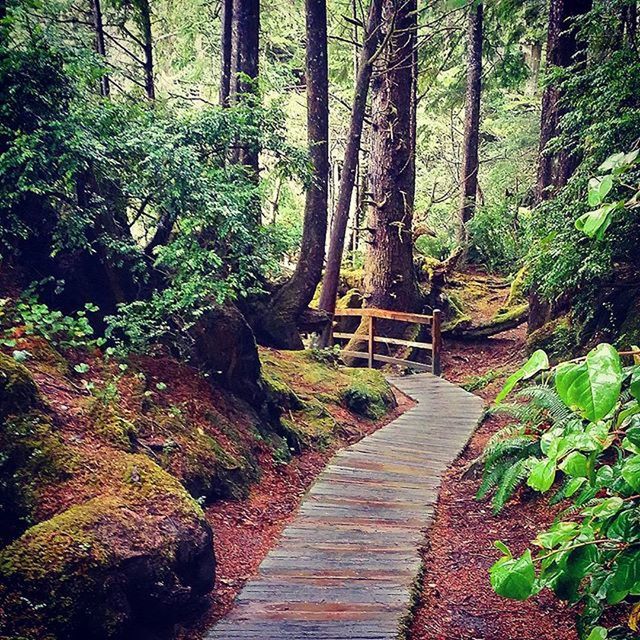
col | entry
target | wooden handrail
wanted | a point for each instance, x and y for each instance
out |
(435, 346)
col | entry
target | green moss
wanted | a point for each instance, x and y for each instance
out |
(505, 314)
(557, 337)
(518, 287)
(18, 392)
(369, 394)
(33, 458)
(474, 383)
(110, 426)
(350, 300)
(280, 393)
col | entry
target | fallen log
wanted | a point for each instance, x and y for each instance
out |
(508, 319)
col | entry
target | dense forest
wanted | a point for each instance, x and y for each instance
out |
(190, 189)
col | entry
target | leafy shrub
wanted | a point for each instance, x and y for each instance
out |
(589, 442)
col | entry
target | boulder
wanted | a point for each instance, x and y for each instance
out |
(224, 346)
(137, 558)
(18, 392)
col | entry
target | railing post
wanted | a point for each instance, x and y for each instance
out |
(372, 334)
(436, 341)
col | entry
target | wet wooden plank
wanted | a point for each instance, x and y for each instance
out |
(344, 568)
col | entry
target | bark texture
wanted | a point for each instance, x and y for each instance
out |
(147, 48)
(226, 19)
(389, 276)
(96, 15)
(244, 68)
(470, 162)
(563, 50)
(279, 328)
(351, 156)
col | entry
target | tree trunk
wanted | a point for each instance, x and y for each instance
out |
(226, 19)
(244, 68)
(350, 166)
(96, 14)
(470, 162)
(563, 50)
(389, 280)
(147, 48)
(279, 328)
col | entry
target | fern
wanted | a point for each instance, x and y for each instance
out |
(512, 478)
(548, 400)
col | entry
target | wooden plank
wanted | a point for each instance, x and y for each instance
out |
(344, 336)
(404, 343)
(345, 566)
(371, 342)
(385, 314)
(436, 338)
(361, 355)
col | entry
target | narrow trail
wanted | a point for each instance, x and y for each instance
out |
(346, 566)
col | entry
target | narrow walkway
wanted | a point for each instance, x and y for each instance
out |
(345, 567)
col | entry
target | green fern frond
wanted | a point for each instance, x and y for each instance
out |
(547, 399)
(516, 448)
(513, 477)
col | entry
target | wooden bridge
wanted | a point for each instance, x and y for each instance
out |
(373, 337)
(344, 569)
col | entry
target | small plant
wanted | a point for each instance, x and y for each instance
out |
(27, 316)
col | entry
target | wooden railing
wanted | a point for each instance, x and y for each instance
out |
(434, 347)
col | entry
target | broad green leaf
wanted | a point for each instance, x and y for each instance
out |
(575, 465)
(501, 546)
(605, 508)
(626, 526)
(593, 386)
(542, 475)
(595, 223)
(634, 385)
(599, 189)
(513, 577)
(631, 472)
(573, 485)
(598, 633)
(536, 363)
(558, 534)
(627, 572)
(612, 162)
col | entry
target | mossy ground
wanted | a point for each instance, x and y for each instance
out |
(114, 462)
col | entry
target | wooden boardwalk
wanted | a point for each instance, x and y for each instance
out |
(345, 567)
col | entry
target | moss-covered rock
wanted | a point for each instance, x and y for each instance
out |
(369, 394)
(141, 554)
(33, 458)
(18, 391)
(557, 337)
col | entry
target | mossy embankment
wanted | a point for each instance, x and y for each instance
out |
(105, 465)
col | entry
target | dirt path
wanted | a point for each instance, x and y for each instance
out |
(456, 601)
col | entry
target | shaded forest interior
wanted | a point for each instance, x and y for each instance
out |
(190, 189)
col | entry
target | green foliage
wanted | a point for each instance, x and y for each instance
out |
(27, 316)
(590, 555)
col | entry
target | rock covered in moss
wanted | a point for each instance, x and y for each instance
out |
(225, 347)
(33, 457)
(557, 337)
(137, 558)
(18, 391)
(369, 394)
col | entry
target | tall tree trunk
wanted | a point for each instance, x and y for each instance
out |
(226, 19)
(147, 48)
(563, 50)
(389, 280)
(470, 161)
(351, 153)
(280, 329)
(245, 45)
(96, 14)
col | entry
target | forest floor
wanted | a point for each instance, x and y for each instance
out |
(455, 600)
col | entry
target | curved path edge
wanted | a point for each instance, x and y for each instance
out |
(345, 567)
